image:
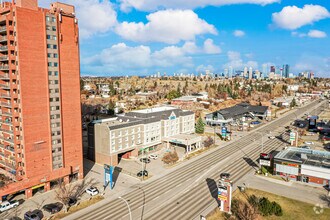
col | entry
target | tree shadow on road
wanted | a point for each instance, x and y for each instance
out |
(212, 185)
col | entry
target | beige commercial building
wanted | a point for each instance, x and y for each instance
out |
(135, 132)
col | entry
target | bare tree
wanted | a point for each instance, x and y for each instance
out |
(65, 192)
(244, 211)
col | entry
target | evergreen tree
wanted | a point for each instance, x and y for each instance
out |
(111, 107)
(81, 85)
(293, 103)
(200, 126)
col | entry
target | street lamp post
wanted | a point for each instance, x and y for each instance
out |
(129, 209)
(214, 134)
(262, 140)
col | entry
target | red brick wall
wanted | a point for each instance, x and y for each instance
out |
(30, 4)
(70, 93)
(31, 34)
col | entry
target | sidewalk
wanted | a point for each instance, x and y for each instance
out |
(304, 193)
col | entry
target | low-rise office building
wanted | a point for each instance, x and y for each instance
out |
(309, 166)
(136, 132)
(236, 113)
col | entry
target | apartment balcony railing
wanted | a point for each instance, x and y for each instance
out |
(4, 67)
(2, 154)
(10, 148)
(7, 114)
(7, 131)
(4, 86)
(4, 58)
(9, 140)
(6, 104)
(3, 29)
(3, 48)
(6, 96)
(5, 76)
(9, 165)
(2, 39)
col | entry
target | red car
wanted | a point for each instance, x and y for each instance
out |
(326, 138)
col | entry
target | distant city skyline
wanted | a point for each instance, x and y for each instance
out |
(129, 38)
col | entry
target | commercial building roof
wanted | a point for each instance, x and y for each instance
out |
(305, 156)
(145, 116)
(241, 109)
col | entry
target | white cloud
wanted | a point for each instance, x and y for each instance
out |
(235, 60)
(292, 17)
(210, 48)
(94, 16)
(171, 56)
(311, 34)
(314, 63)
(239, 33)
(121, 57)
(152, 5)
(316, 34)
(298, 34)
(203, 68)
(167, 26)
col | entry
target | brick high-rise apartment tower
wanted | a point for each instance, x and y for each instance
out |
(40, 114)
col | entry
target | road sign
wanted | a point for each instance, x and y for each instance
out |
(292, 136)
(224, 131)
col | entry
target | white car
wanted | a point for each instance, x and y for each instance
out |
(309, 142)
(153, 156)
(8, 205)
(92, 191)
(272, 137)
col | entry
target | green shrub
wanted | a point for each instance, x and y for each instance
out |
(265, 206)
(277, 209)
(253, 200)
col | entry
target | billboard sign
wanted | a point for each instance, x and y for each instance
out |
(264, 162)
(222, 194)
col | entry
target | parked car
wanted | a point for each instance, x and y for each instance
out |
(8, 205)
(34, 215)
(53, 207)
(256, 122)
(309, 142)
(301, 125)
(145, 160)
(72, 201)
(310, 134)
(305, 147)
(142, 172)
(224, 175)
(92, 191)
(153, 156)
(313, 130)
(272, 137)
(326, 138)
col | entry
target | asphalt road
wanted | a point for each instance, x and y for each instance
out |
(185, 192)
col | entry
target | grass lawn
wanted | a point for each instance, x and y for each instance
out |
(292, 209)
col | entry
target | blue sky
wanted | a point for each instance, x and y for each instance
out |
(138, 37)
